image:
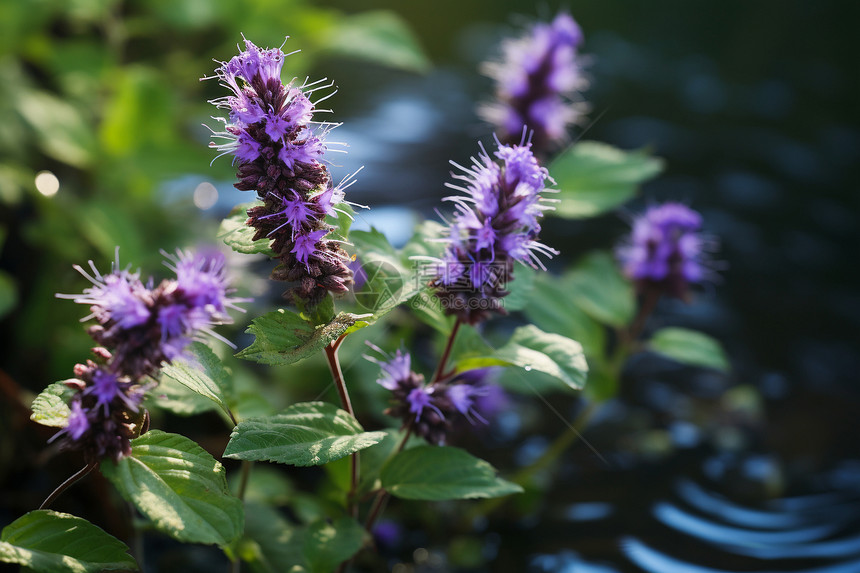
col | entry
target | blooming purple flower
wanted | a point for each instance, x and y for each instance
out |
(105, 388)
(118, 298)
(665, 250)
(139, 327)
(495, 223)
(430, 409)
(271, 134)
(536, 80)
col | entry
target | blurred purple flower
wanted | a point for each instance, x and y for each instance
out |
(537, 84)
(665, 250)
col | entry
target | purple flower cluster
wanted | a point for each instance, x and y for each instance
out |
(664, 252)
(430, 409)
(496, 222)
(139, 326)
(536, 81)
(270, 133)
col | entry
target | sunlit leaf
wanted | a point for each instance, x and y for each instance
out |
(532, 349)
(51, 542)
(595, 177)
(179, 486)
(436, 473)
(304, 434)
(380, 37)
(205, 376)
(239, 236)
(50, 407)
(284, 337)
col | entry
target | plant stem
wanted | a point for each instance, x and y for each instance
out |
(243, 478)
(443, 360)
(382, 497)
(68, 483)
(649, 302)
(337, 376)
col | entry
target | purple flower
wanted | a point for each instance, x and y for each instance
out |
(495, 223)
(394, 369)
(537, 80)
(271, 134)
(426, 408)
(118, 298)
(665, 250)
(78, 423)
(105, 388)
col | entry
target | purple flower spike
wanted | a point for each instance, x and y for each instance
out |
(271, 133)
(495, 223)
(139, 327)
(665, 250)
(537, 81)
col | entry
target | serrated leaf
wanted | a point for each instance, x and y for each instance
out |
(207, 377)
(284, 337)
(593, 178)
(239, 236)
(531, 348)
(436, 473)
(304, 434)
(598, 288)
(179, 486)
(379, 36)
(52, 542)
(689, 347)
(50, 407)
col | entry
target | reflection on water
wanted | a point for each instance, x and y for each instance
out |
(696, 528)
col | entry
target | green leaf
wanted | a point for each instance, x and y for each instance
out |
(379, 36)
(50, 408)
(436, 473)
(177, 398)
(269, 543)
(598, 288)
(326, 545)
(593, 178)
(689, 347)
(533, 349)
(304, 434)
(387, 281)
(179, 486)
(284, 337)
(520, 288)
(239, 236)
(545, 312)
(52, 542)
(62, 132)
(208, 377)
